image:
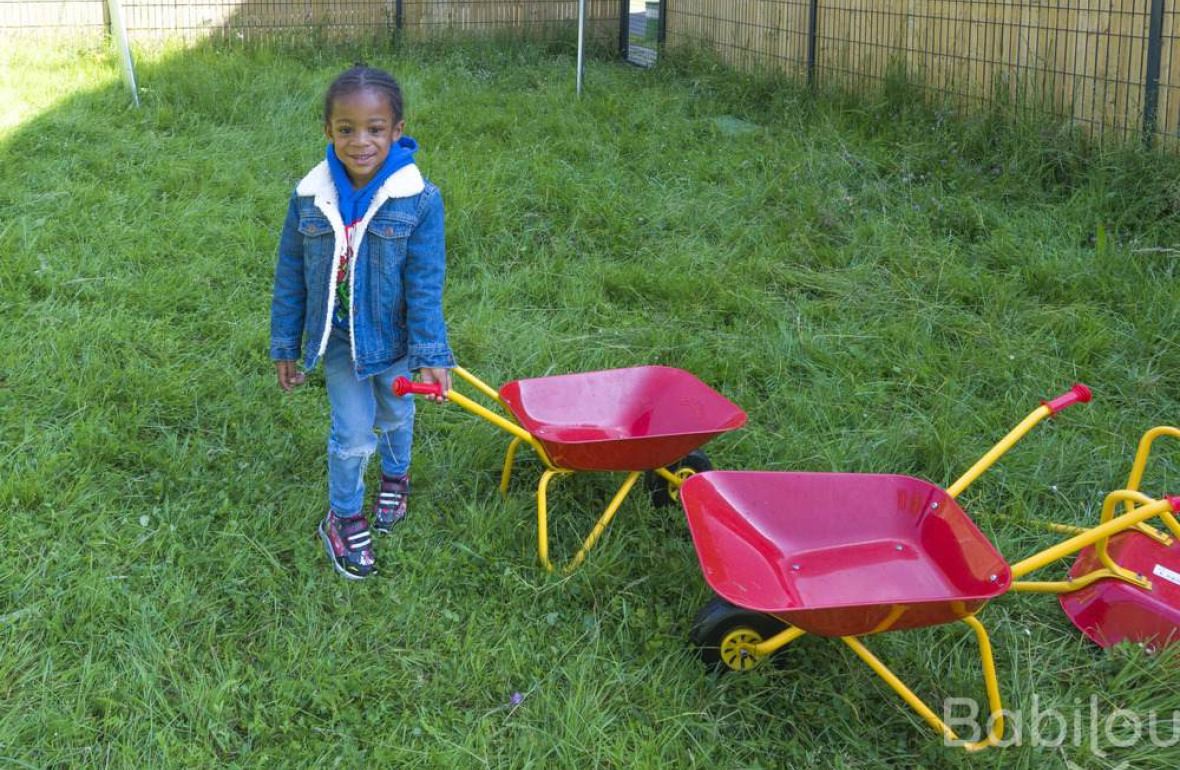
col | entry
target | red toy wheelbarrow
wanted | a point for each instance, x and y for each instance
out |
(1127, 588)
(848, 555)
(645, 419)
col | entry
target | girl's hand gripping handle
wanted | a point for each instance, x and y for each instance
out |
(1078, 394)
(403, 386)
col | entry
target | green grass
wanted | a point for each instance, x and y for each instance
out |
(882, 287)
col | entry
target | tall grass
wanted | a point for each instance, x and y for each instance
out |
(882, 287)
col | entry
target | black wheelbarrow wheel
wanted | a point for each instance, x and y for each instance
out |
(663, 492)
(721, 630)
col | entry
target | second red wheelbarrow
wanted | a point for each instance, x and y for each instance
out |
(1127, 588)
(849, 555)
(640, 420)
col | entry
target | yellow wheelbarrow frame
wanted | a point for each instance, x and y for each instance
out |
(506, 422)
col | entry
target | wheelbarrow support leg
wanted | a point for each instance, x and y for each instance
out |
(996, 720)
(509, 459)
(543, 518)
(599, 527)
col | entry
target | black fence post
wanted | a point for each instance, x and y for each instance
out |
(1151, 86)
(812, 33)
(662, 26)
(624, 28)
(399, 18)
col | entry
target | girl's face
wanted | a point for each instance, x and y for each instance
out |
(363, 128)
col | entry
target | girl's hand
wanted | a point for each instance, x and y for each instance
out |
(289, 375)
(439, 375)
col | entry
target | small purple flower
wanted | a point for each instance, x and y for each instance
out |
(515, 700)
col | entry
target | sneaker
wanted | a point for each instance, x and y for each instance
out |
(392, 497)
(349, 545)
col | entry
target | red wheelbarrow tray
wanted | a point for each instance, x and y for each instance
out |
(633, 419)
(841, 554)
(1112, 611)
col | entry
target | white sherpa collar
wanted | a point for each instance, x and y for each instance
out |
(403, 183)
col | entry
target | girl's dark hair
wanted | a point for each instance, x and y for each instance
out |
(360, 78)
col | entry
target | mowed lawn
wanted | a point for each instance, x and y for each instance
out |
(881, 285)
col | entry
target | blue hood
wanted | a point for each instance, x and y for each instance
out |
(353, 202)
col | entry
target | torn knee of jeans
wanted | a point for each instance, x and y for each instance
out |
(388, 428)
(361, 451)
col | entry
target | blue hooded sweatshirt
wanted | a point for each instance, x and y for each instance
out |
(354, 203)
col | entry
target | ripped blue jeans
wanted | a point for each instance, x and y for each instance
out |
(366, 417)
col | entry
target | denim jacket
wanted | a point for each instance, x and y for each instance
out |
(397, 274)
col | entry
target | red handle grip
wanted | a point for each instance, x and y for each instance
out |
(1078, 394)
(402, 386)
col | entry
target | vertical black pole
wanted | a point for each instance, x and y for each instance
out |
(624, 27)
(812, 31)
(1151, 86)
(662, 33)
(399, 18)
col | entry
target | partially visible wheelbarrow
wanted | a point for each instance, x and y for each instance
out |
(849, 555)
(645, 419)
(1127, 588)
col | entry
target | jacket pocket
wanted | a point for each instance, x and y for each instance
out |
(388, 228)
(387, 239)
(318, 239)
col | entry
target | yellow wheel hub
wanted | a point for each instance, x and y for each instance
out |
(735, 649)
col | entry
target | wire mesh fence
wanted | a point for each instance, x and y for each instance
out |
(343, 19)
(530, 18)
(1110, 66)
(59, 16)
(750, 34)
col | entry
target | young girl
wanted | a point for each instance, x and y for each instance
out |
(358, 285)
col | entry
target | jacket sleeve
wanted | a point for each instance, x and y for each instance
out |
(424, 277)
(289, 299)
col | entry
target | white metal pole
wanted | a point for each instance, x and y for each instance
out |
(581, 41)
(119, 30)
